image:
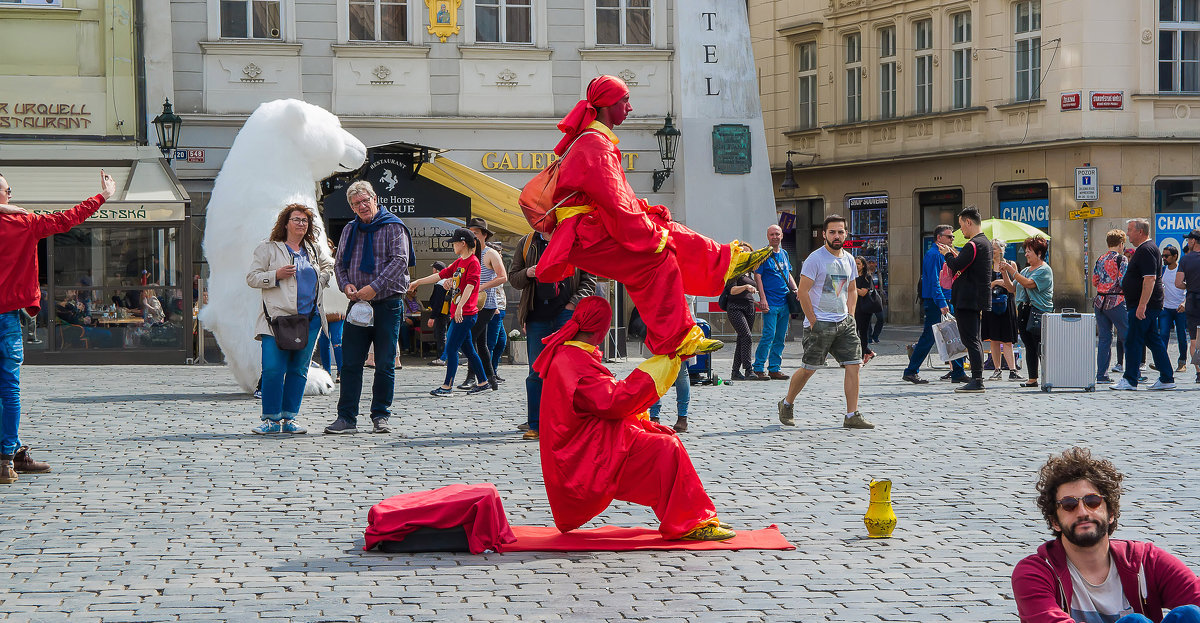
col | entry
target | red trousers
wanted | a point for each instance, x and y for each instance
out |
(655, 281)
(658, 473)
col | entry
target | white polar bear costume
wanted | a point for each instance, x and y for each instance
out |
(279, 156)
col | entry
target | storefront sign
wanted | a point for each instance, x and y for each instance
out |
(872, 201)
(1108, 100)
(1035, 212)
(24, 116)
(1071, 101)
(731, 148)
(1087, 188)
(534, 160)
(1172, 229)
(119, 211)
(400, 193)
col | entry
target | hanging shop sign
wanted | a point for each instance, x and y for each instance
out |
(400, 193)
(118, 211)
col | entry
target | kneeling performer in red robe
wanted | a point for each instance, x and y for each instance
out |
(597, 441)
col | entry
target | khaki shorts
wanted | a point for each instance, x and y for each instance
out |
(839, 339)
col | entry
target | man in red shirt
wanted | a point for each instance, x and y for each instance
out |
(19, 290)
(605, 229)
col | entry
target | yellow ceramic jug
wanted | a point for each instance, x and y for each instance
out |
(880, 517)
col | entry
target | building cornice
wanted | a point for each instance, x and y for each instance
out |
(35, 12)
(427, 123)
(875, 123)
(1020, 105)
(992, 149)
(799, 30)
(505, 52)
(625, 54)
(266, 48)
(379, 50)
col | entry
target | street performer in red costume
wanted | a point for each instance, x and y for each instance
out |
(604, 229)
(597, 441)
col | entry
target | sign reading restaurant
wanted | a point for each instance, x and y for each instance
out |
(42, 115)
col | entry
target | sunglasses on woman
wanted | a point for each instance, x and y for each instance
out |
(1091, 500)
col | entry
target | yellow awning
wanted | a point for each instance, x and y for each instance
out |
(491, 199)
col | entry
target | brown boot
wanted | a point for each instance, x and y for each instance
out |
(680, 425)
(25, 464)
(7, 474)
(779, 376)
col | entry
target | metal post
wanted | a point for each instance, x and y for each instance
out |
(200, 360)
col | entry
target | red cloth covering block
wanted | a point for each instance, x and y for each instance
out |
(477, 508)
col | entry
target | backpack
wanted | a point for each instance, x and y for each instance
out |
(539, 192)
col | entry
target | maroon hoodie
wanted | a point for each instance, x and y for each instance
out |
(1151, 578)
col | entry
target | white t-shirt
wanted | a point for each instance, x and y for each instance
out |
(831, 276)
(1098, 604)
(1172, 296)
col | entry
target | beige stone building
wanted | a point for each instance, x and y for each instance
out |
(898, 113)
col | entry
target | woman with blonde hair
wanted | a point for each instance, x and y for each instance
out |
(1000, 322)
(291, 270)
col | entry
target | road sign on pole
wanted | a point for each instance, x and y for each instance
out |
(1085, 212)
(1086, 187)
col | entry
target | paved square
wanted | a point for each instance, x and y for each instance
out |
(162, 506)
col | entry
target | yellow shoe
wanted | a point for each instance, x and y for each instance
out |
(709, 532)
(694, 343)
(707, 345)
(742, 262)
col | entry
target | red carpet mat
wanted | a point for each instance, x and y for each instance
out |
(614, 539)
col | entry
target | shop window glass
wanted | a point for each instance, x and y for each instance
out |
(938, 207)
(1179, 196)
(250, 19)
(116, 288)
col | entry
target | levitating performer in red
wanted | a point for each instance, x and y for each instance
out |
(598, 444)
(604, 229)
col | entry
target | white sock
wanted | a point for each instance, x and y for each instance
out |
(786, 402)
(850, 415)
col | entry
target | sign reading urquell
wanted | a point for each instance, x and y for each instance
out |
(722, 127)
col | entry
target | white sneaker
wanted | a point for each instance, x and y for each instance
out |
(1159, 385)
(1123, 385)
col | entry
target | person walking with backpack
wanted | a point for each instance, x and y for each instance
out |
(1109, 303)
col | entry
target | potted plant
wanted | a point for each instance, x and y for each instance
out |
(518, 353)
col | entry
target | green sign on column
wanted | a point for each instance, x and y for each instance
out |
(731, 148)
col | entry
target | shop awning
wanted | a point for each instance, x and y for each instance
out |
(491, 199)
(52, 186)
(440, 188)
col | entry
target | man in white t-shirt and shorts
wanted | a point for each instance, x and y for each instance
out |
(828, 296)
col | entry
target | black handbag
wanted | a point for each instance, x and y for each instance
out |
(1030, 318)
(872, 303)
(291, 332)
(793, 303)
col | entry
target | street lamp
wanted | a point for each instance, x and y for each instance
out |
(668, 142)
(167, 126)
(789, 171)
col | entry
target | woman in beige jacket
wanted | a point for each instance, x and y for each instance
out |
(291, 270)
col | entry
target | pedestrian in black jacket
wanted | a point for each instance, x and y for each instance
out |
(971, 292)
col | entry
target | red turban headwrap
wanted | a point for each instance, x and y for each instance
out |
(601, 92)
(593, 315)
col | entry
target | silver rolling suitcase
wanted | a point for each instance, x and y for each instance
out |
(1068, 351)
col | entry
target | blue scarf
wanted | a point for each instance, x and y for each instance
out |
(383, 217)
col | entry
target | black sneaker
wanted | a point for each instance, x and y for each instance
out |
(479, 388)
(340, 427)
(960, 379)
(380, 425)
(467, 384)
(973, 386)
(946, 376)
(914, 379)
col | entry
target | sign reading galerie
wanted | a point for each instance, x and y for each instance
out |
(534, 160)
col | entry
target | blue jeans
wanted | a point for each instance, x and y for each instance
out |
(683, 394)
(933, 315)
(535, 332)
(1106, 320)
(356, 341)
(1182, 614)
(12, 353)
(459, 336)
(1176, 318)
(331, 342)
(284, 374)
(497, 339)
(775, 326)
(1144, 334)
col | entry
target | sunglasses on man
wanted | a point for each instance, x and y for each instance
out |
(1091, 500)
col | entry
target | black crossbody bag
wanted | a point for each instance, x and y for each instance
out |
(793, 303)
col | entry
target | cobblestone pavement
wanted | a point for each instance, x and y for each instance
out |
(163, 507)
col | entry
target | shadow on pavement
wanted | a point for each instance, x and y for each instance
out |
(151, 398)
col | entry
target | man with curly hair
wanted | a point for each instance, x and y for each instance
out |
(1083, 575)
